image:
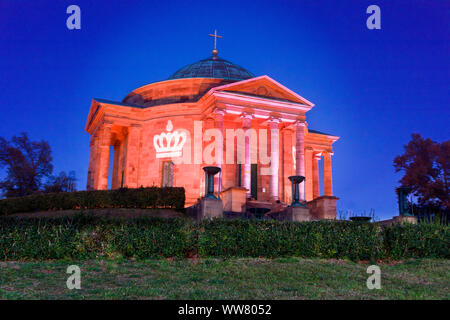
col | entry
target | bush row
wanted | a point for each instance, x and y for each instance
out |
(421, 240)
(86, 237)
(152, 197)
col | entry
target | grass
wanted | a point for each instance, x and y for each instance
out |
(283, 278)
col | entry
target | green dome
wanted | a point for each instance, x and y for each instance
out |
(213, 67)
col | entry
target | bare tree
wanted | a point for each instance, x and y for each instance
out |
(61, 183)
(26, 163)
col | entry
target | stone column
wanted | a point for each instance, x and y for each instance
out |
(115, 179)
(96, 163)
(328, 181)
(287, 163)
(300, 154)
(103, 156)
(91, 168)
(246, 124)
(274, 157)
(316, 189)
(309, 155)
(218, 117)
(132, 159)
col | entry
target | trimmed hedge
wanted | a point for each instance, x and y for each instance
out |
(247, 238)
(152, 197)
(420, 240)
(87, 237)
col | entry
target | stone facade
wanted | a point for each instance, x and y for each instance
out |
(190, 107)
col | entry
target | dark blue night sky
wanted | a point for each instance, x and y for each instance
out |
(371, 87)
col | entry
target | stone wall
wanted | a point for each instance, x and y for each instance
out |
(323, 207)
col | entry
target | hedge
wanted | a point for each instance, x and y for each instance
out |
(247, 238)
(420, 240)
(153, 197)
(87, 237)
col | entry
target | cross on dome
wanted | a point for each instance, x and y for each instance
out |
(215, 36)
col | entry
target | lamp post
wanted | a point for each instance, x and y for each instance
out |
(210, 172)
(296, 180)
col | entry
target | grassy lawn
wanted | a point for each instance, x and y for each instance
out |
(284, 278)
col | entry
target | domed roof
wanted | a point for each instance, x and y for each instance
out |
(213, 67)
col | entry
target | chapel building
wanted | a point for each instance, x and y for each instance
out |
(158, 137)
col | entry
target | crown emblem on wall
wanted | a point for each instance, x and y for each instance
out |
(169, 144)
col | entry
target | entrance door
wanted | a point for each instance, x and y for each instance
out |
(254, 181)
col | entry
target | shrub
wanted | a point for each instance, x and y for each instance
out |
(419, 240)
(149, 238)
(153, 197)
(88, 237)
(249, 238)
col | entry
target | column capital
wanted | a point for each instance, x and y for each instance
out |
(217, 114)
(247, 115)
(246, 119)
(274, 120)
(219, 111)
(286, 127)
(300, 123)
(273, 123)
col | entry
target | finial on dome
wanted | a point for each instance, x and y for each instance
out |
(215, 52)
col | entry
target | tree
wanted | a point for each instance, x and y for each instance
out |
(426, 165)
(61, 183)
(26, 163)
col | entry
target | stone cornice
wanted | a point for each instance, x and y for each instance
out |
(261, 102)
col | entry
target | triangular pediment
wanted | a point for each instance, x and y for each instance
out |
(264, 87)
